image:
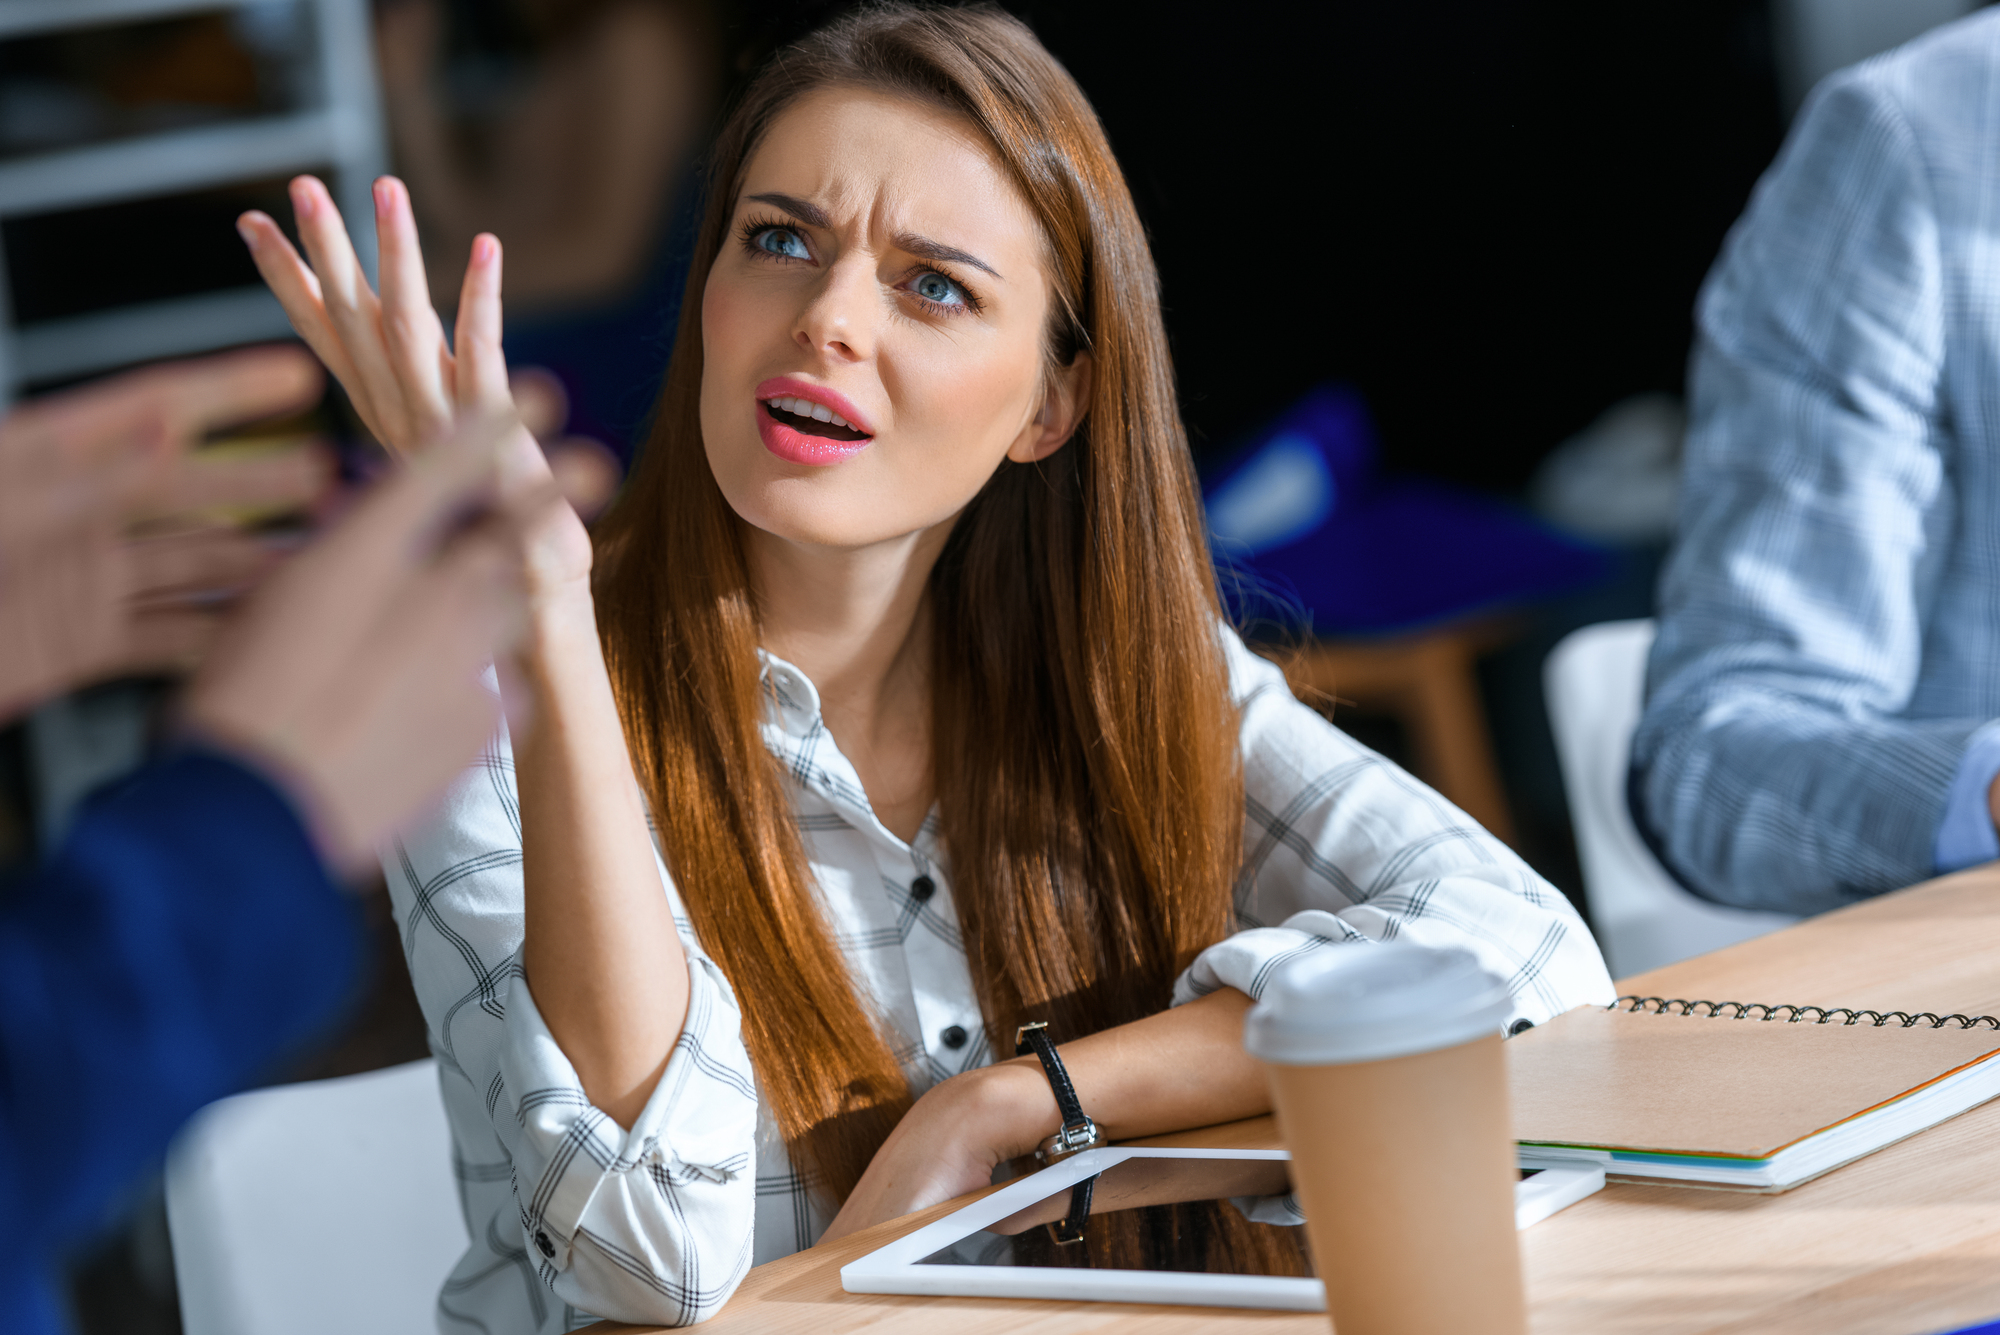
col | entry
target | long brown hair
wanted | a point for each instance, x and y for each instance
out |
(1084, 744)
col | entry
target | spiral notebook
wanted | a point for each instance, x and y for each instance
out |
(1740, 1095)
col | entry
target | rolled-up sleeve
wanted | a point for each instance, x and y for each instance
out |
(648, 1224)
(1343, 848)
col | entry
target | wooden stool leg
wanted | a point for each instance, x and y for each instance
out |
(1451, 734)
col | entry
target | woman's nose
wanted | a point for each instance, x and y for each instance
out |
(840, 318)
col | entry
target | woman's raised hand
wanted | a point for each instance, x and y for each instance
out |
(389, 350)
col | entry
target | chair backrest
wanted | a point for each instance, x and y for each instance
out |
(316, 1208)
(1595, 681)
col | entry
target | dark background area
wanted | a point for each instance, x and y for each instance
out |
(1492, 217)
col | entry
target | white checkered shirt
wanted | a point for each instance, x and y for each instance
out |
(572, 1218)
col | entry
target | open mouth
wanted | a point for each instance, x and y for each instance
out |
(811, 419)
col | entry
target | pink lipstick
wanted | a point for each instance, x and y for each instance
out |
(804, 423)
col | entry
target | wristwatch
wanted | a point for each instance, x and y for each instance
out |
(1077, 1134)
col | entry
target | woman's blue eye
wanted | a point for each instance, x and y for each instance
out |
(936, 287)
(783, 241)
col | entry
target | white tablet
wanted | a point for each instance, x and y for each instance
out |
(995, 1247)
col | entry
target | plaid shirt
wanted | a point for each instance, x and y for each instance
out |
(1828, 644)
(572, 1218)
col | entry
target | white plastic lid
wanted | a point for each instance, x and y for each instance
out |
(1367, 1003)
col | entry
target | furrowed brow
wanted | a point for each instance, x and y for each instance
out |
(807, 212)
(937, 252)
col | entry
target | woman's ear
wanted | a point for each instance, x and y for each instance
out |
(1062, 411)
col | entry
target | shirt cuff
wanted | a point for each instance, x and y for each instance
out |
(1965, 836)
(700, 1122)
(1248, 960)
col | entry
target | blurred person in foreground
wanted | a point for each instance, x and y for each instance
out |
(190, 926)
(1823, 702)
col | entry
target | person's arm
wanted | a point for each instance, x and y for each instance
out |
(1341, 848)
(1774, 766)
(593, 1061)
(601, 953)
(187, 929)
(181, 938)
(650, 1223)
(1181, 1068)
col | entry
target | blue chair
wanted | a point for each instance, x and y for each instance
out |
(1391, 586)
(1310, 534)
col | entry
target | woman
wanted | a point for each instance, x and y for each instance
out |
(906, 629)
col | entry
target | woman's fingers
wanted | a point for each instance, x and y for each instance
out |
(353, 312)
(410, 326)
(481, 365)
(297, 289)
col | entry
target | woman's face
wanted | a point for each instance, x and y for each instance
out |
(872, 330)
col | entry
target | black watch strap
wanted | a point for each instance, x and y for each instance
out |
(1035, 1038)
(1069, 1228)
(1078, 1131)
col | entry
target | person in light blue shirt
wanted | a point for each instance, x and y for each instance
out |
(1822, 719)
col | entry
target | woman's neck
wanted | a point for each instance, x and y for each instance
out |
(857, 623)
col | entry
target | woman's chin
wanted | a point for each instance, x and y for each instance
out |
(802, 511)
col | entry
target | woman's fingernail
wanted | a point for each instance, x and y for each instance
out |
(484, 248)
(385, 197)
(243, 228)
(302, 198)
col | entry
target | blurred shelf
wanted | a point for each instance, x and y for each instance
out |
(159, 164)
(22, 18)
(59, 349)
(342, 135)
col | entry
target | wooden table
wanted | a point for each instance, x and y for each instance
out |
(1904, 1242)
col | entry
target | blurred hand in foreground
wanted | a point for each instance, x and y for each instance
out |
(106, 567)
(353, 674)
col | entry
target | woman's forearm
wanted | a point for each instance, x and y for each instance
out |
(1168, 1072)
(1182, 1068)
(601, 954)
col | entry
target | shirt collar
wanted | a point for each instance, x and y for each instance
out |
(791, 700)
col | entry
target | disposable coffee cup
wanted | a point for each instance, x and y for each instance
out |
(1391, 1093)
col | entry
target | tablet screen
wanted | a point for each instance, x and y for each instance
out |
(1185, 1215)
(1154, 1214)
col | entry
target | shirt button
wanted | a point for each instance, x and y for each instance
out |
(953, 1038)
(543, 1245)
(921, 890)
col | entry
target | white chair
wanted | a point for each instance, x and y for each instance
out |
(322, 1208)
(1595, 681)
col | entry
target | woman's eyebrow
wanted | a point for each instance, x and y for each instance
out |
(938, 253)
(807, 212)
(812, 215)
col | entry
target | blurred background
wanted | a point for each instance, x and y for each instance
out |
(1474, 229)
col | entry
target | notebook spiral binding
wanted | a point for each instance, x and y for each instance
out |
(1756, 1010)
